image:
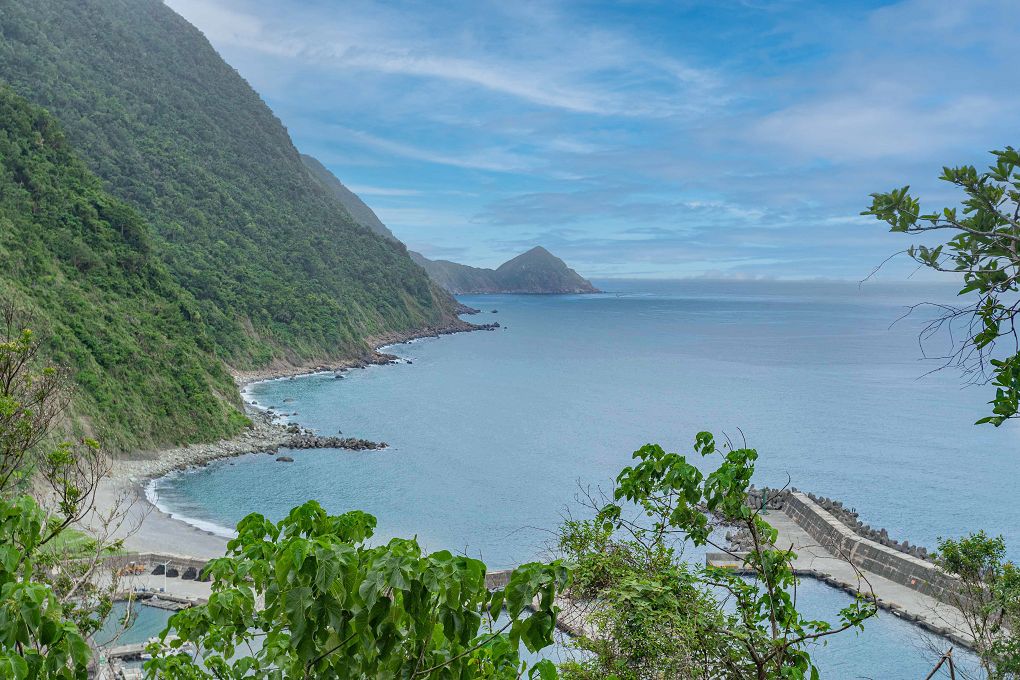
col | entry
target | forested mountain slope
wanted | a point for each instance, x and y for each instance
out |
(82, 263)
(358, 209)
(278, 269)
(536, 271)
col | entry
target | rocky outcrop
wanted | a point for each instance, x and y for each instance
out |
(306, 440)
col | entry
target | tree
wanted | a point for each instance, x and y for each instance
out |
(646, 613)
(983, 247)
(987, 593)
(308, 597)
(756, 631)
(48, 603)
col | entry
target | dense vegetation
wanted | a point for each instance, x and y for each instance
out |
(50, 600)
(536, 271)
(335, 607)
(276, 266)
(84, 264)
(657, 616)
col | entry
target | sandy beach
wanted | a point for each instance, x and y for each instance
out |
(148, 529)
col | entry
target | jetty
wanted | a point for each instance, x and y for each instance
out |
(850, 558)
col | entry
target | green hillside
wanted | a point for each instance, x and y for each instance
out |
(82, 263)
(277, 268)
(358, 209)
(537, 271)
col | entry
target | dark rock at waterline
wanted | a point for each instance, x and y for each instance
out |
(284, 459)
(307, 440)
(495, 311)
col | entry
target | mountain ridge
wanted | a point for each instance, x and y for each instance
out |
(276, 264)
(358, 209)
(536, 271)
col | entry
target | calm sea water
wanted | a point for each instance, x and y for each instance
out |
(492, 432)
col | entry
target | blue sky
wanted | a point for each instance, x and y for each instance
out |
(635, 138)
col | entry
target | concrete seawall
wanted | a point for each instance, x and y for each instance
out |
(827, 549)
(869, 556)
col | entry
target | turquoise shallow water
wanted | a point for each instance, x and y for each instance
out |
(491, 432)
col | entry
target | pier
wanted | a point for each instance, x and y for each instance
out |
(830, 551)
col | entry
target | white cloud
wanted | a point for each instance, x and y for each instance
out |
(547, 60)
(492, 159)
(869, 126)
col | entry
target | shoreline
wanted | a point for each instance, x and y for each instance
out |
(150, 528)
(284, 369)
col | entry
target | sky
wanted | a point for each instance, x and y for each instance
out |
(636, 138)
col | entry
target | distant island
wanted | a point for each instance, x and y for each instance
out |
(535, 272)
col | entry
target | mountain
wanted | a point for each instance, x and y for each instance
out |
(537, 271)
(357, 208)
(83, 265)
(276, 268)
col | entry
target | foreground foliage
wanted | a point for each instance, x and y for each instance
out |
(984, 247)
(660, 618)
(49, 600)
(988, 595)
(335, 607)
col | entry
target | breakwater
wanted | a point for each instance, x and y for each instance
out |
(837, 549)
(777, 499)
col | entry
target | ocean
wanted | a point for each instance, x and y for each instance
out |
(492, 434)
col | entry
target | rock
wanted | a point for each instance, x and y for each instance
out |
(284, 459)
(190, 574)
(495, 311)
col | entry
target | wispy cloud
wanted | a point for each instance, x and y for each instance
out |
(368, 190)
(643, 137)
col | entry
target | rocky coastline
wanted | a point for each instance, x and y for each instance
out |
(265, 435)
(284, 369)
